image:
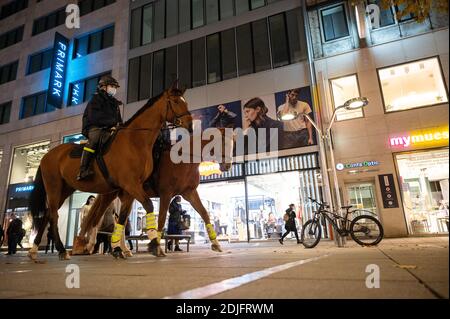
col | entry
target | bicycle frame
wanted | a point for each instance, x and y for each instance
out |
(343, 231)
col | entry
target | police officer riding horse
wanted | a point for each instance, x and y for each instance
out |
(102, 113)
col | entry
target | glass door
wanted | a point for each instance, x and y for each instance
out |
(362, 196)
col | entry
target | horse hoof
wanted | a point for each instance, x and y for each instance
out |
(118, 253)
(32, 255)
(128, 253)
(64, 255)
(160, 252)
(153, 248)
(216, 247)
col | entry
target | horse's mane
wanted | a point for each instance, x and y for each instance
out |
(149, 103)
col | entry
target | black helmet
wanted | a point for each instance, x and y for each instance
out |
(108, 80)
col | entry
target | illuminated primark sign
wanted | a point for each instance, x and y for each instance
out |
(420, 138)
(58, 71)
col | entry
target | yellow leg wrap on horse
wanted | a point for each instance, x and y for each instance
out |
(211, 233)
(159, 234)
(117, 234)
(150, 221)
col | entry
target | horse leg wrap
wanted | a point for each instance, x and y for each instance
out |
(159, 234)
(211, 233)
(117, 235)
(150, 220)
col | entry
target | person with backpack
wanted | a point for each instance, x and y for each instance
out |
(289, 218)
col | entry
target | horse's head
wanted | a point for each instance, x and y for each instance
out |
(177, 111)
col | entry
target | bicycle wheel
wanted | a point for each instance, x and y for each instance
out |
(311, 233)
(366, 230)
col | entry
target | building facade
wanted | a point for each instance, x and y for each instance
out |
(226, 52)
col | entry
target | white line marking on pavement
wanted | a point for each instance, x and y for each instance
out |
(228, 284)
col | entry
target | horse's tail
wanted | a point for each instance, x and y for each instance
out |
(38, 198)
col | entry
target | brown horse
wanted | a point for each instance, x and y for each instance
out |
(129, 162)
(169, 179)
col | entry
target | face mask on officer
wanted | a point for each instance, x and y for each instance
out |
(111, 90)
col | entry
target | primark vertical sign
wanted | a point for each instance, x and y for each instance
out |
(58, 71)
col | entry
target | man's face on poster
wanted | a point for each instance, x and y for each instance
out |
(221, 108)
(293, 97)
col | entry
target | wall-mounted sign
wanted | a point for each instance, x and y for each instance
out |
(420, 138)
(209, 168)
(342, 166)
(58, 71)
(388, 192)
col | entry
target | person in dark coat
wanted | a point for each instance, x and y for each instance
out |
(14, 232)
(101, 113)
(175, 215)
(255, 114)
(290, 224)
(224, 118)
(50, 240)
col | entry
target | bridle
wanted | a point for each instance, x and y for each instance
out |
(176, 122)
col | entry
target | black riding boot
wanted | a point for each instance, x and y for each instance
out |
(85, 169)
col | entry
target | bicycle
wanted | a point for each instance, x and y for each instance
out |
(364, 229)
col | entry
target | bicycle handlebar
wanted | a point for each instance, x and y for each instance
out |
(325, 205)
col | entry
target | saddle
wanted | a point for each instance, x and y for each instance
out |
(104, 144)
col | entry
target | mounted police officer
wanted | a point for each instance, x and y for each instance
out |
(101, 113)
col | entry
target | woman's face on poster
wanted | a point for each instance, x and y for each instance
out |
(251, 114)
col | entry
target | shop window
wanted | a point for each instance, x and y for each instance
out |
(184, 69)
(198, 62)
(245, 50)
(241, 6)
(8, 72)
(83, 90)
(158, 72)
(334, 23)
(386, 14)
(12, 8)
(159, 7)
(213, 54)
(39, 61)
(425, 187)
(94, 42)
(135, 28)
(49, 21)
(171, 66)
(412, 85)
(198, 18)
(5, 111)
(26, 160)
(147, 25)
(184, 15)
(226, 9)
(280, 51)
(344, 89)
(261, 51)
(171, 23)
(212, 11)
(11, 37)
(34, 105)
(228, 51)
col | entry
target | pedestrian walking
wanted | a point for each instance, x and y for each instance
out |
(128, 233)
(14, 232)
(107, 226)
(50, 240)
(176, 213)
(289, 218)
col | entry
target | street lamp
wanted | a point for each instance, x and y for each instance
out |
(352, 104)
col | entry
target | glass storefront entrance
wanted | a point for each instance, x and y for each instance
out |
(25, 162)
(362, 196)
(424, 180)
